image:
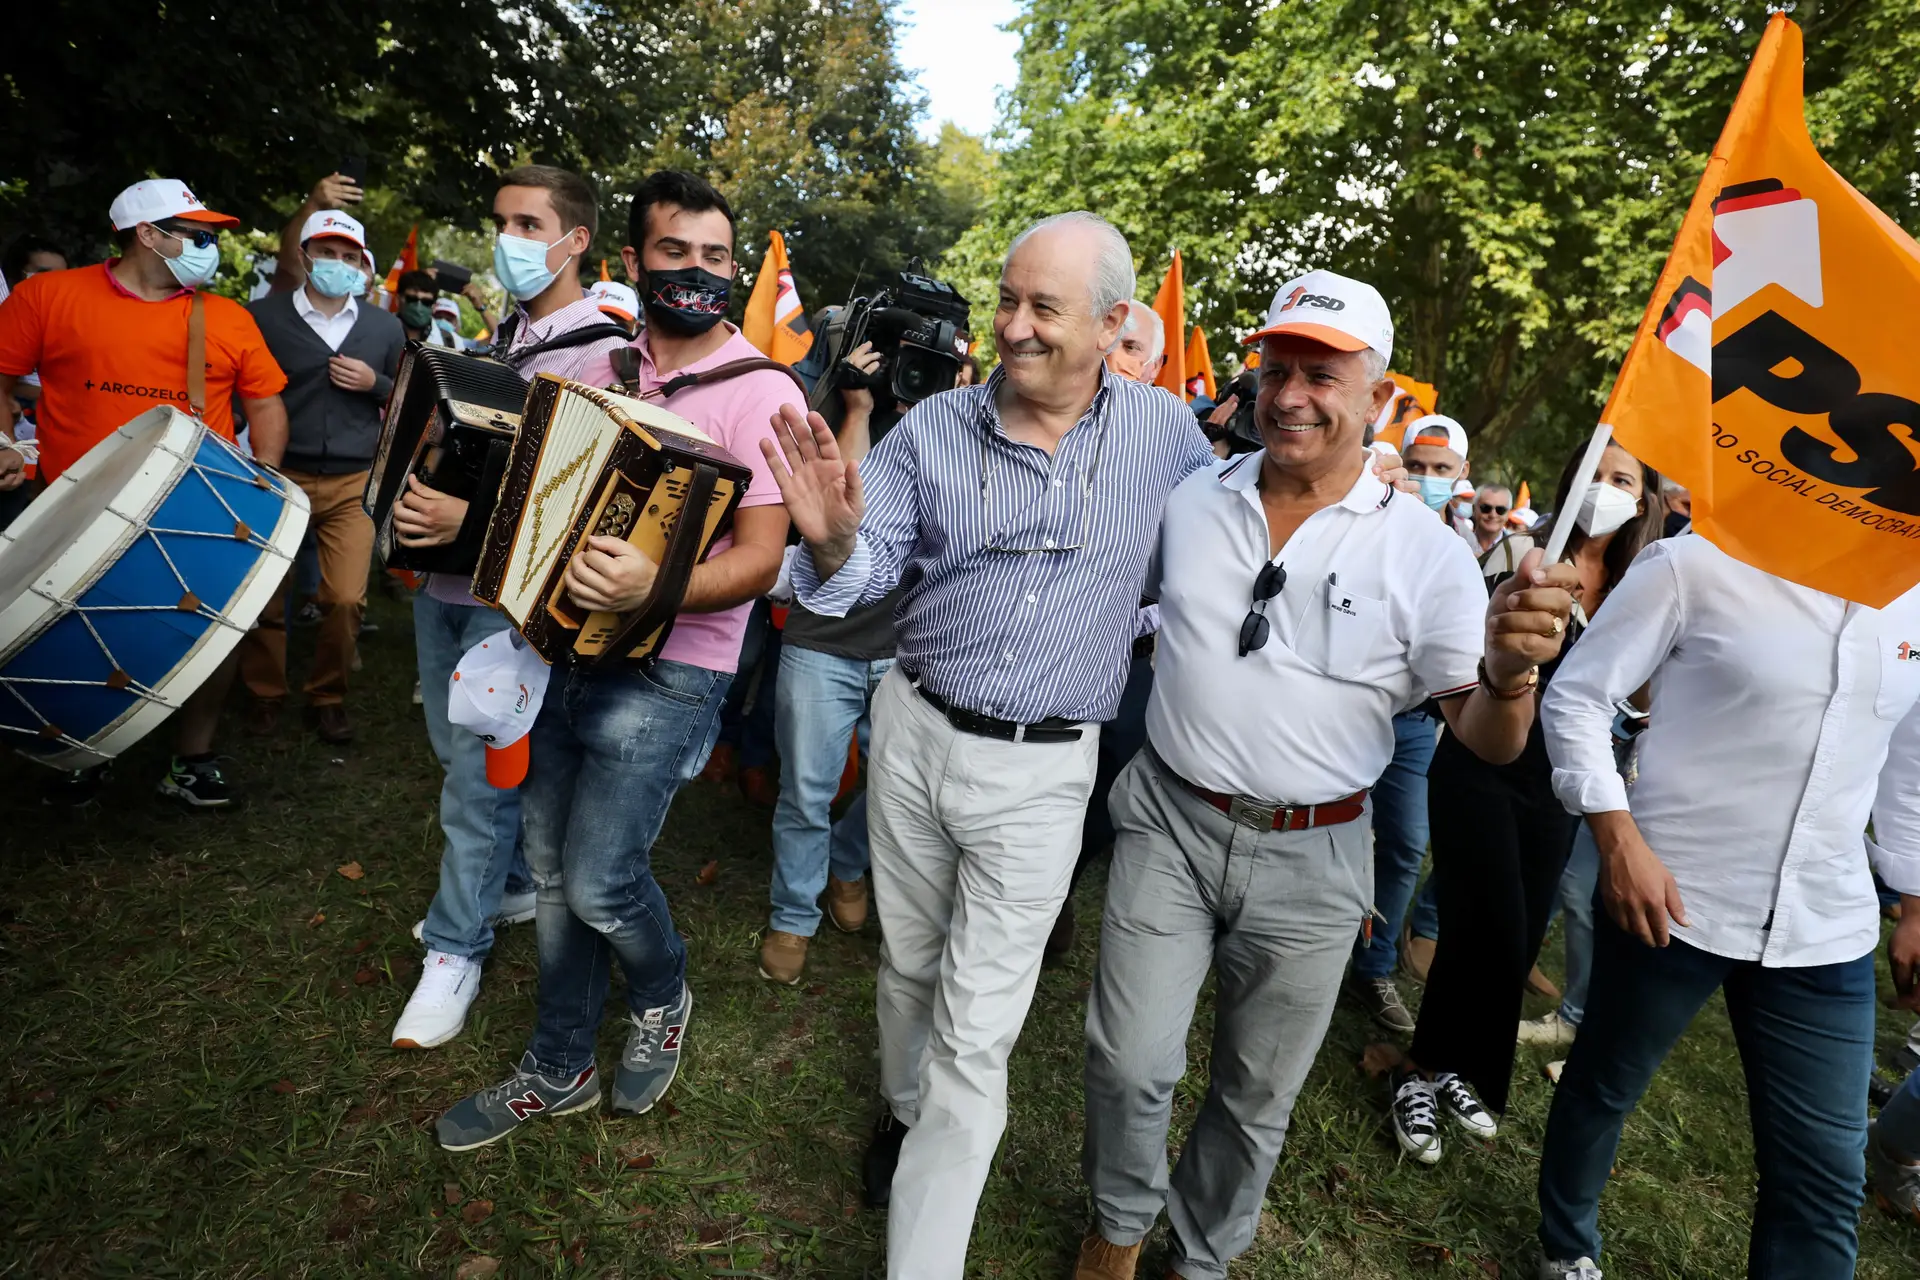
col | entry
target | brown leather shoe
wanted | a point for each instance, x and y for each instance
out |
(846, 903)
(1541, 985)
(331, 723)
(720, 764)
(262, 716)
(759, 787)
(1101, 1260)
(783, 957)
(1416, 956)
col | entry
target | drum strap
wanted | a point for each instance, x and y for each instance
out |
(197, 354)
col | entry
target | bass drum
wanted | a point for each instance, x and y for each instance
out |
(127, 583)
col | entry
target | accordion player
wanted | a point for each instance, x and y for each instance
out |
(588, 462)
(450, 420)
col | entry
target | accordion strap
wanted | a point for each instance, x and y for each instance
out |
(721, 372)
(558, 342)
(197, 354)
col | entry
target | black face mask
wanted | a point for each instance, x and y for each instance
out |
(687, 302)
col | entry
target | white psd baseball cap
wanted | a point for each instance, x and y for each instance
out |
(496, 692)
(158, 199)
(332, 222)
(1345, 314)
(1439, 430)
(617, 298)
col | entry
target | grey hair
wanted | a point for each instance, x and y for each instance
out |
(1374, 363)
(1492, 487)
(1113, 281)
(1157, 338)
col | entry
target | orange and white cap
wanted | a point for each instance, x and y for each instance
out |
(1439, 430)
(1345, 314)
(158, 199)
(332, 222)
(496, 692)
(615, 299)
(445, 306)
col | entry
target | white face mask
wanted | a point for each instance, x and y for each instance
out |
(1605, 509)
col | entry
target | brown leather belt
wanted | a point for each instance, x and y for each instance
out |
(1276, 817)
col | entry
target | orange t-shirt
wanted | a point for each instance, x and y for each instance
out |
(106, 355)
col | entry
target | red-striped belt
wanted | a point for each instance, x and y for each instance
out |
(1277, 817)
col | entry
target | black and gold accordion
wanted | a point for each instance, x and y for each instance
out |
(589, 462)
(450, 420)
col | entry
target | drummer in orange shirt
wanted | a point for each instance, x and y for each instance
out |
(110, 342)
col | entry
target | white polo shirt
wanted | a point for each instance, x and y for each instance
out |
(1383, 606)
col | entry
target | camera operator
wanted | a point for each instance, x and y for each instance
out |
(829, 669)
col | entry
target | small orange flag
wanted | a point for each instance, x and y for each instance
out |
(409, 260)
(1522, 502)
(1411, 399)
(775, 321)
(1772, 374)
(603, 271)
(1170, 304)
(1200, 367)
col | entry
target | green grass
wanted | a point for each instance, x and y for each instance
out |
(198, 1081)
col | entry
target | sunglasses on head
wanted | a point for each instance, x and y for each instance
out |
(1488, 509)
(1255, 629)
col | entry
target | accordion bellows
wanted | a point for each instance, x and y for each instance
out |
(588, 462)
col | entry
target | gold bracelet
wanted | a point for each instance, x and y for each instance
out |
(1508, 695)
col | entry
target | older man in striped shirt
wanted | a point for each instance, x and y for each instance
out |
(1019, 515)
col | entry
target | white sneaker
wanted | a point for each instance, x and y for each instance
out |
(1463, 1107)
(437, 1010)
(1578, 1269)
(1552, 1031)
(515, 908)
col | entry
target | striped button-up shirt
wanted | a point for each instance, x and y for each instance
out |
(564, 362)
(1021, 570)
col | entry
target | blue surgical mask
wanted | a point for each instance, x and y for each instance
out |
(194, 265)
(448, 327)
(521, 265)
(1435, 491)
(337, 279)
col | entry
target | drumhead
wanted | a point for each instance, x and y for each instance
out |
(59, 521)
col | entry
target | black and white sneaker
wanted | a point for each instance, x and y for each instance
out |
(1576, 1269)
(1416, 1117)
(198, 784)
(1462, 1105)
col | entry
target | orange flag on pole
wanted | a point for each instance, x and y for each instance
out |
(1771, 374)
(775, 321)
(409, 260)
(1170, 304)
(1200, 367)
(603, 271)
(1411, 399)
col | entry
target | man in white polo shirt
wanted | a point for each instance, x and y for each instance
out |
(1303, 603)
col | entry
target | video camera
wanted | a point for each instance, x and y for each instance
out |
(914, 326)
(1239, 433)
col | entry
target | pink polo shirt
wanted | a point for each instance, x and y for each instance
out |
(737, 414)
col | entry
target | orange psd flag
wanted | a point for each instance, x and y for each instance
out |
(1200, 367)
(409, 260)
(1774, 373)
(774, 320)
(1411, 399)
(1170, 304)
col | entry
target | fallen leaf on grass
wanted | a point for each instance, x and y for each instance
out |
(576, 1253)
(1378, 1059)
(365, 977)
(476, 1212)
(479, 1267)
(637, 1160)
(712, 1233)
(352, 871)
(284, 1086)
(708, 874)
(817, 989)
(317, 919)
(43, 1097)
(451, 1193)
(1488, 1266)
(784, 1067)
(361, 945)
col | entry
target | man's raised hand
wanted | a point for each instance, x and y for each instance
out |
(820, 488)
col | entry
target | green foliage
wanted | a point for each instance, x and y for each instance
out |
(1509, 174)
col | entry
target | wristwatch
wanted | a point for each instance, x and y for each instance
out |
(1508, 695)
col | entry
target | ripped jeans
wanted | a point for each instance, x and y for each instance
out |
(611, 748)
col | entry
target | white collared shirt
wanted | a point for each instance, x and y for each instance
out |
(1382, 606)
(333, 329)
(1778, 714)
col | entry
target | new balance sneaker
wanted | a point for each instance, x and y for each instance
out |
(497, 1111)
(1462, 1105)
(1553, 1031)
(1578, 1269)
(1381, 1000)
(198, 784)
(1896, 1183)
(1416, 1119)
(652, 1056)
(437, 1009)
(515, 908)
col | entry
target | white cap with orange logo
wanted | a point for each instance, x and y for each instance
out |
(1345, 314)
(158, 199)
(615, 298)
(332, 222)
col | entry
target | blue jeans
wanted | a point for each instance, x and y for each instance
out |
(480, 824)
(1578, 884)
(822, 701)
(1806, 1042)
(1399, 840)
(611, 748)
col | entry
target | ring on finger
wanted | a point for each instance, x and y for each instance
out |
(1554, 628)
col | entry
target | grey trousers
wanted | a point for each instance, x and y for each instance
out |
(1275, 914)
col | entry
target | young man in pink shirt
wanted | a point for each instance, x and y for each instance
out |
(613, 744)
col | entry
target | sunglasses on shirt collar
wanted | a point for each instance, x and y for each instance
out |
(1255, 629)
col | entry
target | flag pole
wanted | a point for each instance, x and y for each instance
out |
(1563, 521)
